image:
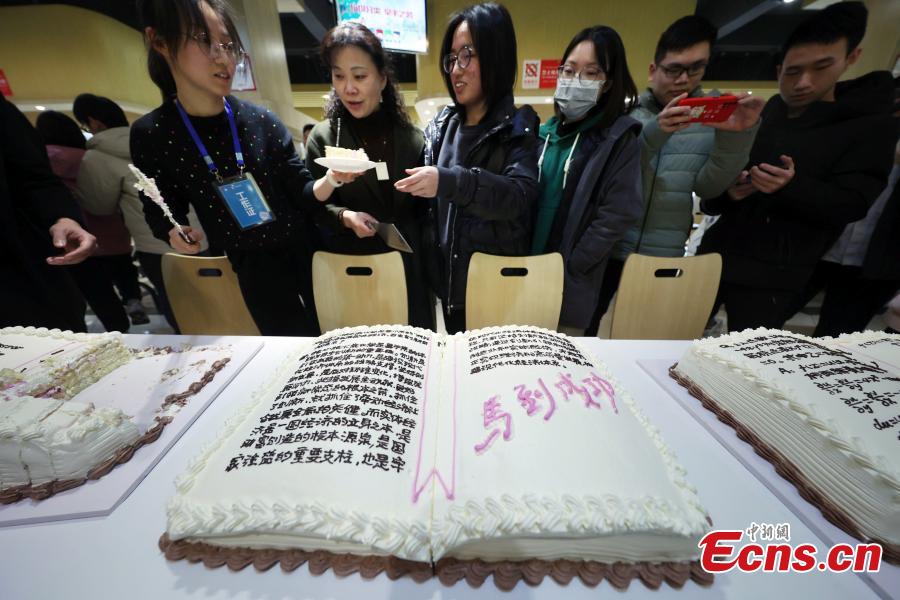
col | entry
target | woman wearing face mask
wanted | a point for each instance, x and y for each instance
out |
(233, 161)
(480, 156)
(366, 111)
(589, 169)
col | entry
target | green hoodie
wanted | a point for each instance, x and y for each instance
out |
(555, 152)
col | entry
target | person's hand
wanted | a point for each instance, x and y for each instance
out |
(343, 177)
(769, 179)
(745, 116)
(742, 187)
(362, 224)
(422, 182)
(323, 188)
(177, 242)
(76, 243)
(674, 118)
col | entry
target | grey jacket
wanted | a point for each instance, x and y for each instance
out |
(698, 159)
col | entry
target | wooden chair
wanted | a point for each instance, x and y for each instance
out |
(514, 290)
(359, 290)
(663, 298)
(205, 296)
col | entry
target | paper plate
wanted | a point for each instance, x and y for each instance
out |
(345, 165)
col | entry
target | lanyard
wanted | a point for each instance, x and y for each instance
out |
(239, 156)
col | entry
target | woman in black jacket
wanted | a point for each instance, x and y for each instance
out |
(480, 157)
(589, 168)
(233, 161)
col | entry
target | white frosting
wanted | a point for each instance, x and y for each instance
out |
(50, 437)
(43, 440)
(337, 152)
(836, 446)
(42, 362)
(586, 483)
(589, 473)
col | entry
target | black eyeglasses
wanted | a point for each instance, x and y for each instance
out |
(675, 70)
(461, 58)
(214, 49)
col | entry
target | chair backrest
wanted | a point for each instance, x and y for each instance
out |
(663, 298)
(359, 290)
(205, 297)
(514, 290)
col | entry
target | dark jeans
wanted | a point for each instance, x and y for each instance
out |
(96, 285)
(123, 274)
(151, 265)
(277, 288)
(850, 301)
(611, 278)
(751, 307)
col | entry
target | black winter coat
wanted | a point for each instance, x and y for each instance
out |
(602, 199)
(32, 199)
(490, 203)
(842, 153)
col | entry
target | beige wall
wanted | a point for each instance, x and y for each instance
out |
(544, 28)
(882, 42)
(260, 27)
(544, 34)
(51, 53)
(55, 52)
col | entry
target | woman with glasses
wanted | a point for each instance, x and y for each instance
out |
(589, 169)
(480, 172)
(233, 161)
(365, 111)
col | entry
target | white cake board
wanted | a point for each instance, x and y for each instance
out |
(138, 391)
(888, 578)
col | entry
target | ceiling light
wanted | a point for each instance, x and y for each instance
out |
(39, 107)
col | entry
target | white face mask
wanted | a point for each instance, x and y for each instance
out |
(575, 98)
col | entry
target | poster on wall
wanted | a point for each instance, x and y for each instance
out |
(539, 74)
(4, 84)
(399, 24)
(243, 77)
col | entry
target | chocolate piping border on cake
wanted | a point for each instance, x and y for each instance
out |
(785, 468)
(121, 456)
(449, 571)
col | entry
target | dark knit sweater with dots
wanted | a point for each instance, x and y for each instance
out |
(162, 148)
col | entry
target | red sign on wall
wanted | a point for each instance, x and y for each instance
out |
(4, 84)
(539, 73)
(549, 73)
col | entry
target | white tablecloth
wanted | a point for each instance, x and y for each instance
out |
(117, 556)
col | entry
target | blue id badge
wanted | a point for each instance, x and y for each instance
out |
(245, 201)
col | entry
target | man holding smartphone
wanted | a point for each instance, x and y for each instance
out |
(679, 157)
(822, 155)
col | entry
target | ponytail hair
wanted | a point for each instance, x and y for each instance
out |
(172, 22)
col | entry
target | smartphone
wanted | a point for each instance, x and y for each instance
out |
(713, 109)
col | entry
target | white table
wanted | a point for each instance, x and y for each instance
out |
(117, 556)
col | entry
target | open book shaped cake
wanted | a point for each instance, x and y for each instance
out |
(505, 451)
(825, 412)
